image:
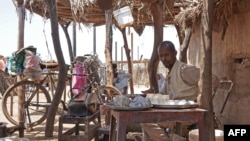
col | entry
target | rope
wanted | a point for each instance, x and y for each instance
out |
(49, 53)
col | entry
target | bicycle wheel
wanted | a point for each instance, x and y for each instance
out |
(35, 106)
(108, 92)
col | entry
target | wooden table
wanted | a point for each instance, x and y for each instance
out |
(120, 119)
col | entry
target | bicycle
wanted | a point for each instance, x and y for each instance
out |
(96, 90)
(37, 98)
(35, 105)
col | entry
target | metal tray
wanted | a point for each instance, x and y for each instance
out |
(119, 108)
(175, 106)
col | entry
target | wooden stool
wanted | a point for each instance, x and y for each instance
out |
(88, 124)
(104, 131)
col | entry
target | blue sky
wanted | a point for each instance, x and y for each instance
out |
(37, 33)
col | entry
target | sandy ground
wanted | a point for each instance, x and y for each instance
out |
(37, 133)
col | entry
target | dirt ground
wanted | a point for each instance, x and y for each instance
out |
(38, 133)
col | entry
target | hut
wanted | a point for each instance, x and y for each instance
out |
(230, 57)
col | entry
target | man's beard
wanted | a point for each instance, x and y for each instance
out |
(166, 64)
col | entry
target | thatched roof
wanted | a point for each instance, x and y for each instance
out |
(93, 11)
(223, 9)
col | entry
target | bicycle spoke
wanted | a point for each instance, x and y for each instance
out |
(35, 106)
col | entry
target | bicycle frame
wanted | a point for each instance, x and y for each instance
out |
(92, 65)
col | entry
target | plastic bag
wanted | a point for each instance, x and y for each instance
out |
(79, 81)
(17, 59)
(31, 61)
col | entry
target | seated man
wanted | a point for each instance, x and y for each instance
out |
(121, 80)
(181, 83)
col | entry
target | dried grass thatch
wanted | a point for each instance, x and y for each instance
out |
(181, 12)
(93, 11)
(187, 17)
(223, 9)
